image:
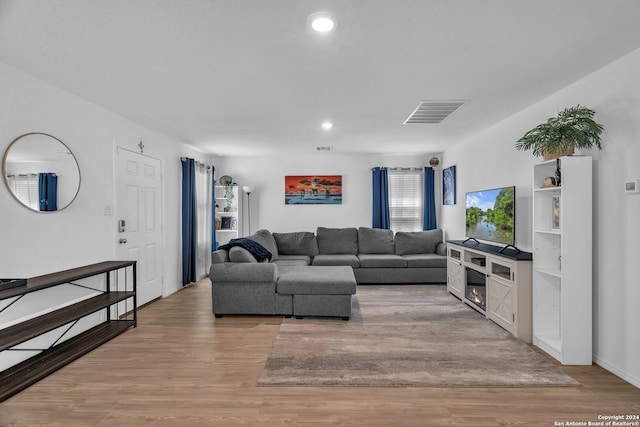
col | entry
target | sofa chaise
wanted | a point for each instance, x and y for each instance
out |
(316, 274)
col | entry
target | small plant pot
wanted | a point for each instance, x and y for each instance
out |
(550, 155)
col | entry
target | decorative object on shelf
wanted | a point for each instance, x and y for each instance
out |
(226, 180)
(248, 189)
(11, 283)
(226, 223)
(434, 161)
(218, 223)
(558, 173)
(573, 127)
(234, 223)
(555, 212)
(549, 182)
(313, 190)
(449, 186)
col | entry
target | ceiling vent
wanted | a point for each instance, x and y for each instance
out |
(324, 148)
(429, 112)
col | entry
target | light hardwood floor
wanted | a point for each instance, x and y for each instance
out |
(183, 367)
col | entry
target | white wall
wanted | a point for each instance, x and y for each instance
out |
(267, 174)
(489, 160)
(36, 243)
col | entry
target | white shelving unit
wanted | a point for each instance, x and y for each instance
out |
(562, 259)
(228, 215)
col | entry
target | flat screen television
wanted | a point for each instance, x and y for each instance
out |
(491, 215)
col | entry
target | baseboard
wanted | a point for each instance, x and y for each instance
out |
(617, 372)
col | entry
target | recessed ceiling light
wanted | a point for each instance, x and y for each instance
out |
(322, 22)
(327, 125)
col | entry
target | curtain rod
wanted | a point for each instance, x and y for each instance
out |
(20, 175)
(398, 168)
(198, 163)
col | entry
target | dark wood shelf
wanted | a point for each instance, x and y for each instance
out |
(31, 328)
(48, 280)
(24, 374)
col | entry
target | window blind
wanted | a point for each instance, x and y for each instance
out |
(405, 199)
(25, 187)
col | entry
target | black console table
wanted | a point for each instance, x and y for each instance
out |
(61, 353)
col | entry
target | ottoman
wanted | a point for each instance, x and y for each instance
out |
(318, 291)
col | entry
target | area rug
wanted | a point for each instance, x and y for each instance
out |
(403, 335)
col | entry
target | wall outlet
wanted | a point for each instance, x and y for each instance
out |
(108, 210)
(632, 186)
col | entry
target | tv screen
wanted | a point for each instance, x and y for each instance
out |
(491, 215)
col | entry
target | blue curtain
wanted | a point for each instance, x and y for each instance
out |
(214, 246)
(381, 217)
(189, 238)
(48, 191)
(429, 201)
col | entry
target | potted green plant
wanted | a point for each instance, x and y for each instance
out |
(228, 194)
(574, 127)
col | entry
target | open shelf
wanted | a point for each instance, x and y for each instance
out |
(24, 374)
(36, 326)
(562, 274)
(58, 353)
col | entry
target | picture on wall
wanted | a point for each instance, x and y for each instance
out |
(449, 186)
(313, 189)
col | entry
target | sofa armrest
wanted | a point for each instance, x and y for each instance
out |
(243, 272)
(441, 249)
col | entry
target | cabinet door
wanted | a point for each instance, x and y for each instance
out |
(501, 300)
(455, 278)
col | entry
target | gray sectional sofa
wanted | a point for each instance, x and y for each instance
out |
(316, 274)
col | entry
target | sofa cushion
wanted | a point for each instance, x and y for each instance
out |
(300, 260)
(375, 241)
(419, 242)
(238, 254)
(316, 281)
(297, 243)
(425, 260)
(337, 240)
(265, 238)
(381, 261)
(338, 259)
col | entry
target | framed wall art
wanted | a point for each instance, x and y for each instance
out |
(449, 186)
(313, 189)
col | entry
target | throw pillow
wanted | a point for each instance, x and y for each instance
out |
(419, 242)
(238, 254)
(265, 238)
(336, 241)
(375, 241)
(297, 243)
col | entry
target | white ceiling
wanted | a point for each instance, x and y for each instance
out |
(239, 77)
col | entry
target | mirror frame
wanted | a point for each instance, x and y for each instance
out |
(6, 182)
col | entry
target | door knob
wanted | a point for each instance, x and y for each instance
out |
(123, 241)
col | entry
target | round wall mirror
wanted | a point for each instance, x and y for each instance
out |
(41, 172)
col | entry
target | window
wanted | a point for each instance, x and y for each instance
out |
(405, 199)
(25, 187)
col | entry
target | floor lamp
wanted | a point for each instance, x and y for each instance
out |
(248, 189)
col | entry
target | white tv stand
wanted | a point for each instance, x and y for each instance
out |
(498, 283)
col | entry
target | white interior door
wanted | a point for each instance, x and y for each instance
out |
(139, 219)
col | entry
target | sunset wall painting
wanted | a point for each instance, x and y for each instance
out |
(313, 190)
